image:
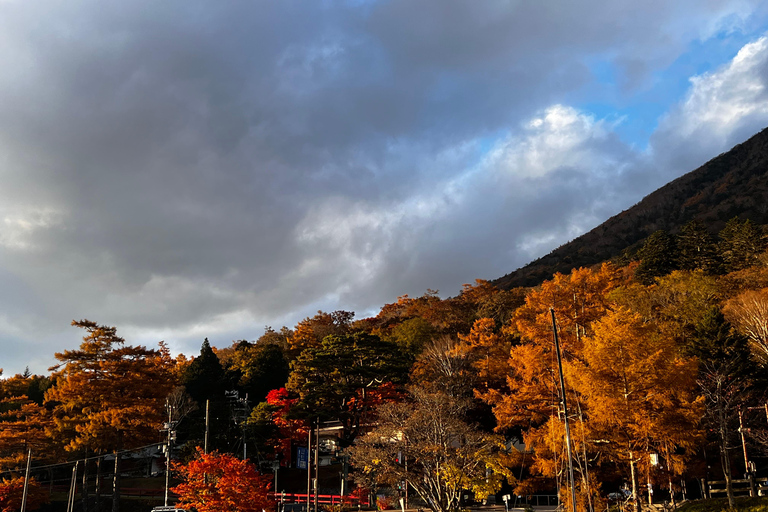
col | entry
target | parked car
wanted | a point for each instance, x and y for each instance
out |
(620, 495)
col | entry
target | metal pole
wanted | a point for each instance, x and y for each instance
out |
(26, 482)
(167, 454)
(245, 442)
(207, 424)
(565, 411)
(309, 467)
(317, 461)
(71, 498)
(84, 490)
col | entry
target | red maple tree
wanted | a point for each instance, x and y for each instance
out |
(12, 490)
(218, 482)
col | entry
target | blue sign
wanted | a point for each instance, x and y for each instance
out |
(302, 456)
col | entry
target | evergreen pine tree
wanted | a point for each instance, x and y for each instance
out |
(204, 377)
(740, 244)
(696, 249)
(657, 257)
(727, 378)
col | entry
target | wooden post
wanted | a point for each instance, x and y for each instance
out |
(747, 472)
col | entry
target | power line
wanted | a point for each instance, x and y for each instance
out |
(84, 459)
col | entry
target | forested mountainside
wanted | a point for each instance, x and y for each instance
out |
(733, 184)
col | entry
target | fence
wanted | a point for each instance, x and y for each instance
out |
(741, 487)
(322, 499)
(535, 500)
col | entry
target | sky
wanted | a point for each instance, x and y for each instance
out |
(187, 169)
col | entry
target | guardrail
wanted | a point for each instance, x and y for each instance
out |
(322, 499)
(740, 486)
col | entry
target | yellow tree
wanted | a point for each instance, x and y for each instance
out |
(108, 395)
(638, 391)
(428, 443)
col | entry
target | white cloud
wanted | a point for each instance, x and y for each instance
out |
(559, 137)
(721, 109)
(208, 171)
(19, 227)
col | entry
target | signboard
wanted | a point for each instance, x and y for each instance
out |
(302, 456)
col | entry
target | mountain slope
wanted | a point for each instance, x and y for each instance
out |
(732, 184)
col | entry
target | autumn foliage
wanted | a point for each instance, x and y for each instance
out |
(108, 394)
(218, 482)
(12, 491)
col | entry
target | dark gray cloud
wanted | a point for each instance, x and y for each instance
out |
(192, 169)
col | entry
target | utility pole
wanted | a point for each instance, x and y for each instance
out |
(72, 486)
(309, 468)
(565, 411)
(207, 424)
(26, 482)
(84, 490)
(317, 461)
(245, 442)
(169, 430)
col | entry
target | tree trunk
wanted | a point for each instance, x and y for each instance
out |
(725, 460)
(635, 490)
(672, 494)
(97, 491)
(650, 494)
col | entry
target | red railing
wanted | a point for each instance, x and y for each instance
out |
(323, 499)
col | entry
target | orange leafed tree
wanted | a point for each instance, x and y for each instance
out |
(217, 482)
(578, 299)
(12, 491)
(22, 428)
(309, 333)
(639, 393)
(23, 422)
(108, 395)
